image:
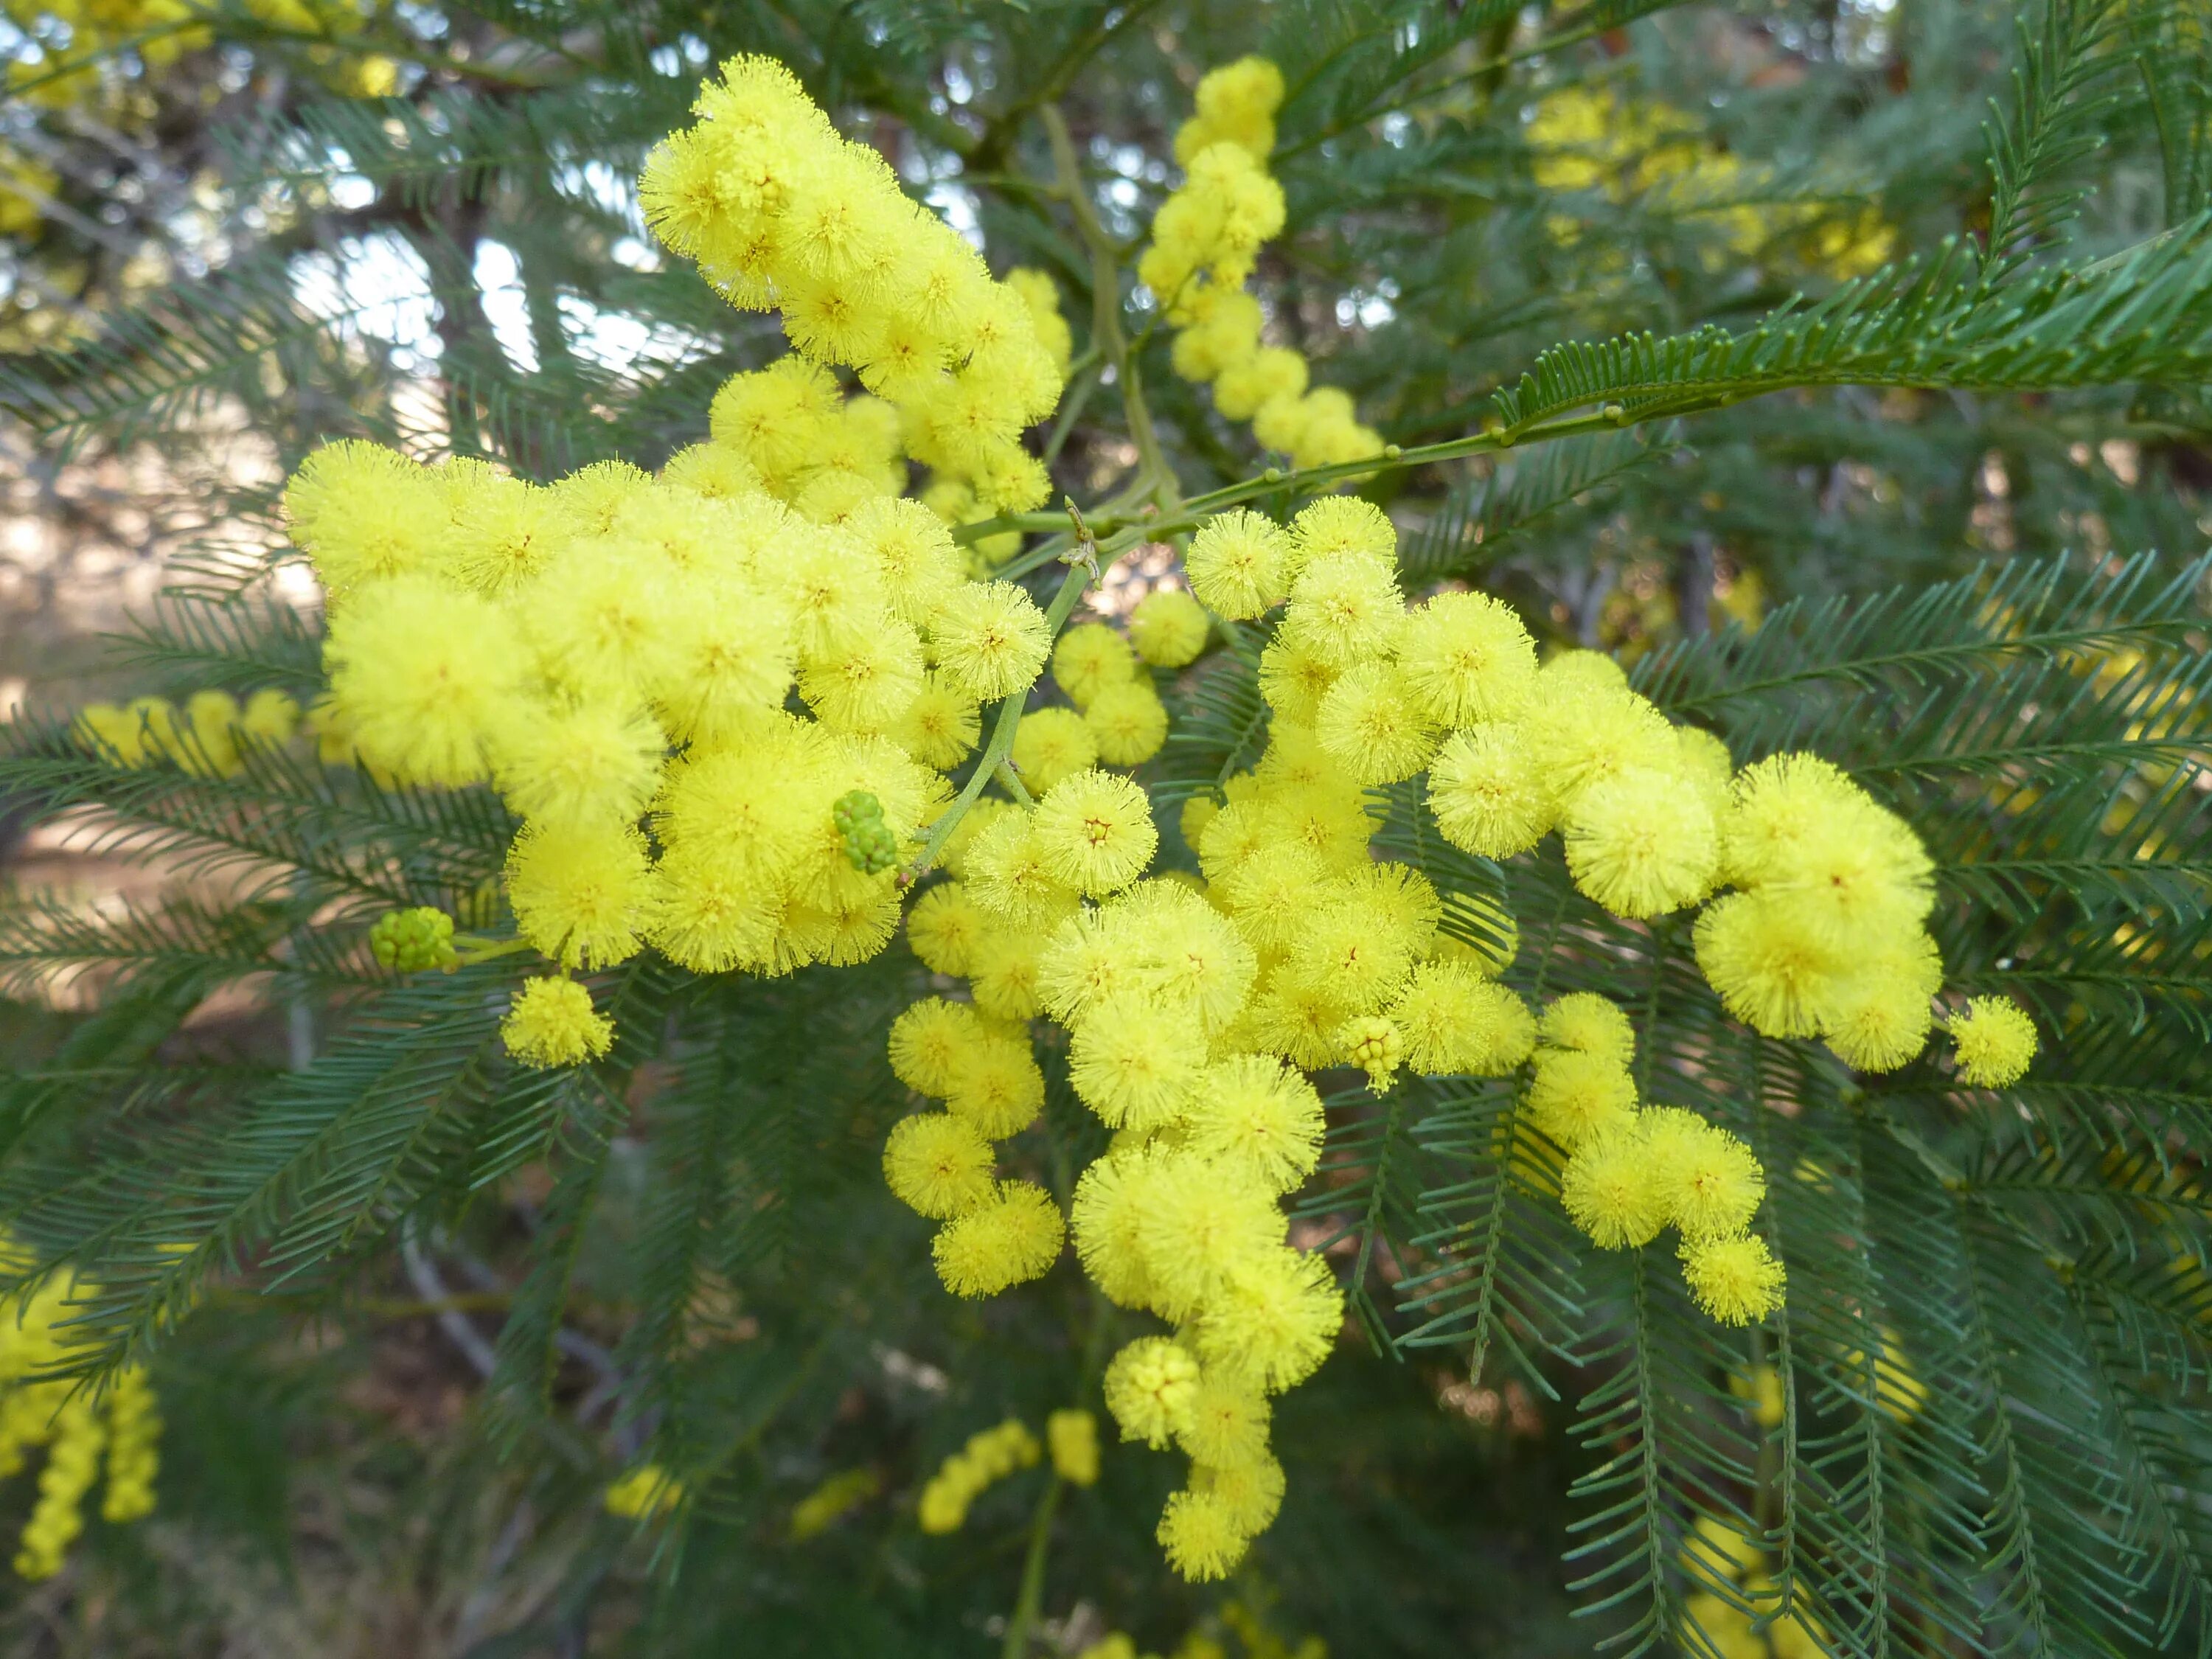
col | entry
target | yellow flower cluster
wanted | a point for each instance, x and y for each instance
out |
(1734, 1590)
(1205, 240)
(989, 1457)
(74, 38)
(782, 213)
(616, 651)
(75, 1426)
(1995, 1040)
(210, 736)
(1585, 138)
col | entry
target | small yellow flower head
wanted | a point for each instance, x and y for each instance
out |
(1374, 1043)
(1345, 609)
(1089, 658)
(551, 1022)
(1642, 842)
(580, 895)
(1274, 1319)
(1013, 879)
(646, 1491)
(1007, 1240)
(1456, 1020)
(1590, 1024)
(1996, 1041)
(1467, 659)
(427, 675)
(1096, 832)
(1111, 1199)
(944, 926)
(1703, 759)
(1574, 1098)
(366, 513)
(1149, 1386)
(1252, 1489)
(1073, 1437)
(940, 727)
(1612, 1193)
(996, 1086)
(1227, 1424)
(704, 912)
(134, 1458)
(1370, 725)
(1488, 793)
(1711, 1181)
(1586, 736)
(990, 639)
(1734, 1278)
(1169, 627)
(1195, 958)
(1343, 524)
(930, 1041)
(209, 734)
(1134, 1060)
(1777, 804)
(1772, 970)
(1294, 676)
(1251, 1113)
(952, 857)
(914, 554)
(1201, 1224)
(1881, 1015)
(1198, 1531)
(577, 765)
(1050, 745)
(1567, 673)
(1004, 980)
(938, 1165)
(1129, 721)
(866, 680)
(1240, 564)
(1859, 877)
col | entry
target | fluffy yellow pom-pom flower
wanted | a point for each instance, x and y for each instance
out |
(1996, 1041)
(429, 678)
(551, 1022)
(1252, 1489)
(1150, 1385)
(990, 639)
(1010, 1237)
(1129, 721)
(1134, 1060)
(996, 1085)
(1227, 1423)
(938, 1165)
(1488, 794)
(1612, 1193)
(1370, 727)
(577, 765)
(1642, 842)
(1466, 658)
(1274, 1320)
(930, 1041)
(1736, 1277)
(1591, 1024)
(1096, 832)
(1454, 1020)
(579, 894)
(944, 926)
(1240, 564)
(1051, 745)
(1251, 1113)
(1169, 627)
(1711, 1181)
(1575, 1097)
(1089, 658)
(1199, 1531)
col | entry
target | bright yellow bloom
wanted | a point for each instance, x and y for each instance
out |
(1612, 1193)
(1169, 627)
(1734, 1278)
(1575, 1097)
(1095, 831)
(1642, 842)
(938, 1165)
(1487, 793)
(551, 1022)
(1466, 658)
(990, 639)
(1198, 1530)
(1088, 659)
(1010, 1237)
(579, 894)
(1052, 744)
(1150, 1387)
(1073, 1437)
(1129, 721)
(1996, 1041)
(1239, 564)
(1591, 1024)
